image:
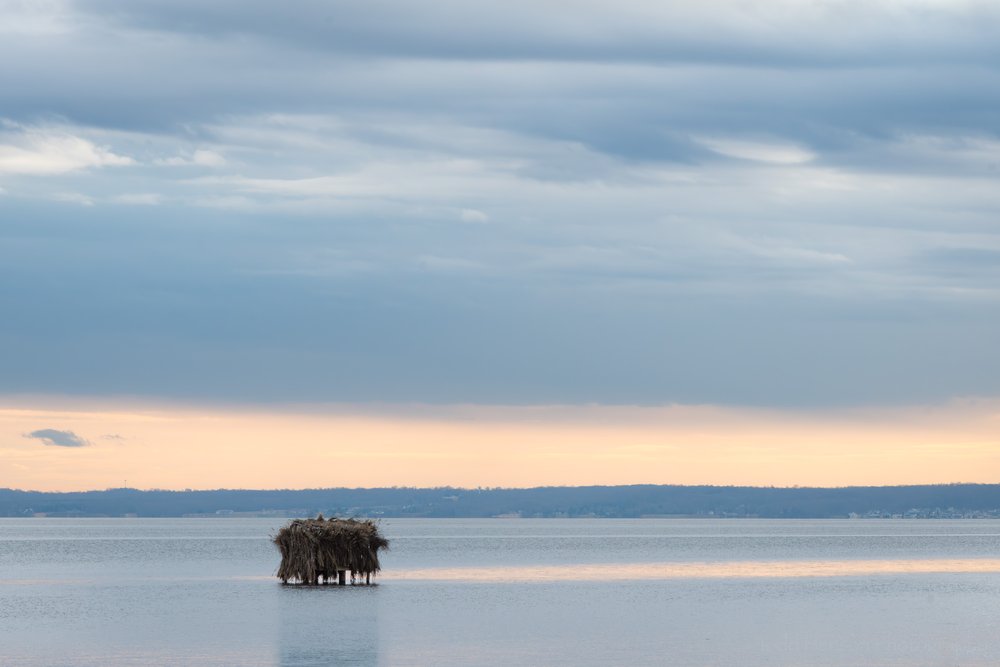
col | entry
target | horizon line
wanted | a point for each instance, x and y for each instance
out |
(513, 488)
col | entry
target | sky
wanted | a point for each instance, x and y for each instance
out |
(498, 243)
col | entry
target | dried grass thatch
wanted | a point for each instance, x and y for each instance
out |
(312, 549)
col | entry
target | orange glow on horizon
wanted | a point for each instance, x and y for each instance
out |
(176, 447)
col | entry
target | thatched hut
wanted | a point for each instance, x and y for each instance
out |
(314, 549)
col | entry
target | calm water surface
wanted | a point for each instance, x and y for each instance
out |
(502, 592)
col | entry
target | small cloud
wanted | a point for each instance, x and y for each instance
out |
(200, 158)
(113, 436)
(472, 215)
(758, 151)
(208, 158)
(73, 198)
(43, 151)
(139, 199)
(56, 438)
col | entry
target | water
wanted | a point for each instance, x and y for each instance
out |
(501, 592)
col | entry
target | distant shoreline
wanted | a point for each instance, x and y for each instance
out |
(943, 501)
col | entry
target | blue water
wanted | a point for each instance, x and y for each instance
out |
(501, 592)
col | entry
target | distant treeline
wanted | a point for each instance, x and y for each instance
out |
(951, 500)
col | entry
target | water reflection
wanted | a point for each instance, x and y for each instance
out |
(731, 570)
(328, 625)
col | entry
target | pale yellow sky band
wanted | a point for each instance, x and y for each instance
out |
(177, 447)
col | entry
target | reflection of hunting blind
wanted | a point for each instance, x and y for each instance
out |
(312, 549)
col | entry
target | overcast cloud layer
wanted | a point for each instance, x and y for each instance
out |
(769, 203)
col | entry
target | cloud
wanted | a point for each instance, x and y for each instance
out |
(73, 198)
(41, 151)
(712, 202)
(472, 215)
(139, 199)
(777, 153)
(716, 31)
(56, 438)
(42, 19)
(200, 157)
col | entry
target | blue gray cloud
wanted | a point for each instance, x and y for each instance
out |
(779, 204)
(56, 438)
